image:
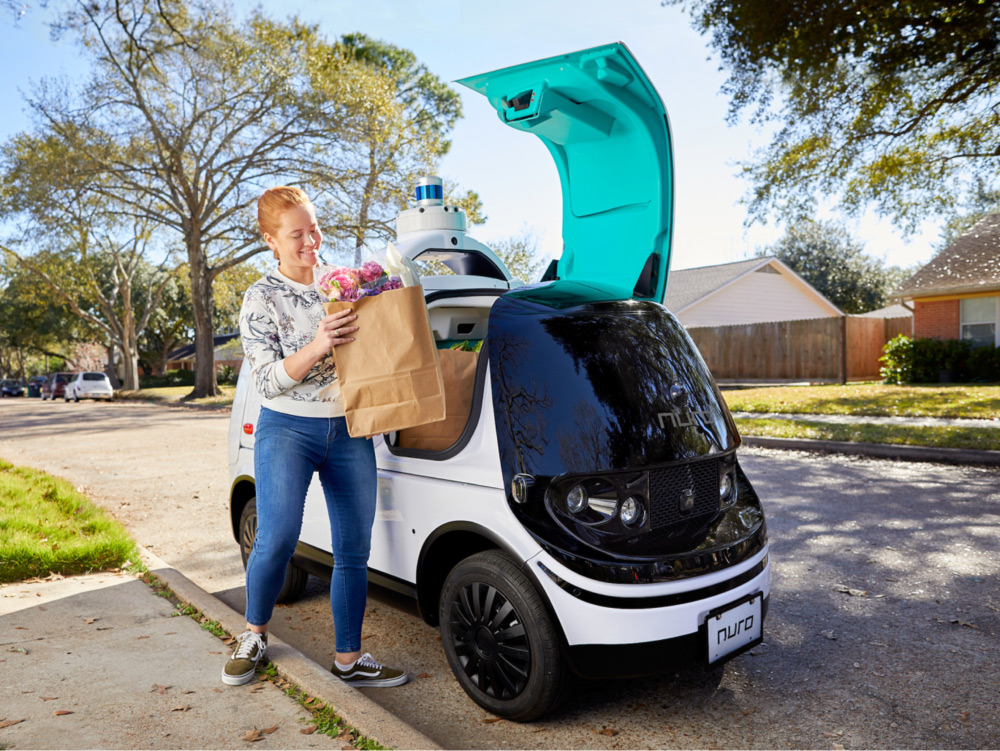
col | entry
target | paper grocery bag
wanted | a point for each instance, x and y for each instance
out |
(458, 369)
(390, 376)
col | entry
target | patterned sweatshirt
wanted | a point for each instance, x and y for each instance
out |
(279, 317)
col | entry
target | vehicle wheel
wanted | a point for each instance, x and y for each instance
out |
(498, 637)
(295, 578)
(76, 397)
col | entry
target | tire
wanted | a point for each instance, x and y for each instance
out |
(295, 578)
(76, 397)
(519, 676)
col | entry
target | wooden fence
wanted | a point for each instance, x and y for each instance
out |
(819, 349)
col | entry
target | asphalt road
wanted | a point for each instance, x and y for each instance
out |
(882, 632)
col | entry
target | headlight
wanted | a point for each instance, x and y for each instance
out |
(631, 511)
(727, 490)
(576, 499)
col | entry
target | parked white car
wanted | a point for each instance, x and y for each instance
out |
(89, 385)
(592, 516)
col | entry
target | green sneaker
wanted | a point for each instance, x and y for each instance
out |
(367, 671)
(251, 648)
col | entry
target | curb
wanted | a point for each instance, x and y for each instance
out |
(354, 707)
(879, 450)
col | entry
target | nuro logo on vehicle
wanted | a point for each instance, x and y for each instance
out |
(735, 629)
(677, 419)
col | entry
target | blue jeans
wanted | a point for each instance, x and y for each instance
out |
(288, 450)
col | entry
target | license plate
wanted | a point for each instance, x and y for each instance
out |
(734, 627)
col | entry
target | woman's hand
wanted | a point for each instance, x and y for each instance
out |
(334, 330)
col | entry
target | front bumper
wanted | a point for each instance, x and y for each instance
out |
(601, 613)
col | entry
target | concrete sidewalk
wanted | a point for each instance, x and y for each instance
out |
(102, 661)
(855, 419)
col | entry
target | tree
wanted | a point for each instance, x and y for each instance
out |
(188, 115)
(520, 255)
(826, 256)
(32, 321)
(392, 139)
(80, 244)
(891, 104)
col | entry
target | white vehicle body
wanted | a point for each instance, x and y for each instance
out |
(89, 385)
(703, 597)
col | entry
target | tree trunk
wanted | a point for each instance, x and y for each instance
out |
(130, 343)
(204, 337)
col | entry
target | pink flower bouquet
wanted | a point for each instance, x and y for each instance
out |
(340, 283)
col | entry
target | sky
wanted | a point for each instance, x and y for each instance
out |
(512, 172)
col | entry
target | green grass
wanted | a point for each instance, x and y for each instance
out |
(905, 435)
(46, 526)
(176, 394)
(875, 399)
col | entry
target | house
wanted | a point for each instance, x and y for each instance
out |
(228, 351)
(753, 291)
(957, 294)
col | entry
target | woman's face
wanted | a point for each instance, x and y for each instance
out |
(297, 240)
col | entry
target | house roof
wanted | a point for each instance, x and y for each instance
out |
(891, 311)
(187, 351)
(685, 286)
(970, 264)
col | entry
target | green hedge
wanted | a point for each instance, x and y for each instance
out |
(170, 378)
(907, 360)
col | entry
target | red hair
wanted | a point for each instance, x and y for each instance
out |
(274, 202)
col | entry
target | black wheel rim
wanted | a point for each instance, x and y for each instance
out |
(490, 641)
(249, 533)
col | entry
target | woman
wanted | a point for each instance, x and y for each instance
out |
(288, 343)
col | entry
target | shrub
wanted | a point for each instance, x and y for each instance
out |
(928, 360)
(225, 374)
(898, 358)
(170, 378)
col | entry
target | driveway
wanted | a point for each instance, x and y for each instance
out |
(882, 632)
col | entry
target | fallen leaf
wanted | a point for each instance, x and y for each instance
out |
(185, 708)
(187, 692)
(59, 712)
(607, 731)
(7, 723)
(20, 628)
(259, 687)
(157, 688)
(48, 698)
(217, 690)
(829, 634)
(837, 747)
(21, 650)
(88, 621)
(104, 628)
(270, 729)
(142, 637)
(964, 623)
(835, 734)
(851, 591)
(964, 717)
(253, 735)
(42, 608)
(424, 675)
(492, 719)
(309, 730)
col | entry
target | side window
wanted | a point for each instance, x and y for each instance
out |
(979, 321)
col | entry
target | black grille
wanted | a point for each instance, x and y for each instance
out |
(666, 486)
